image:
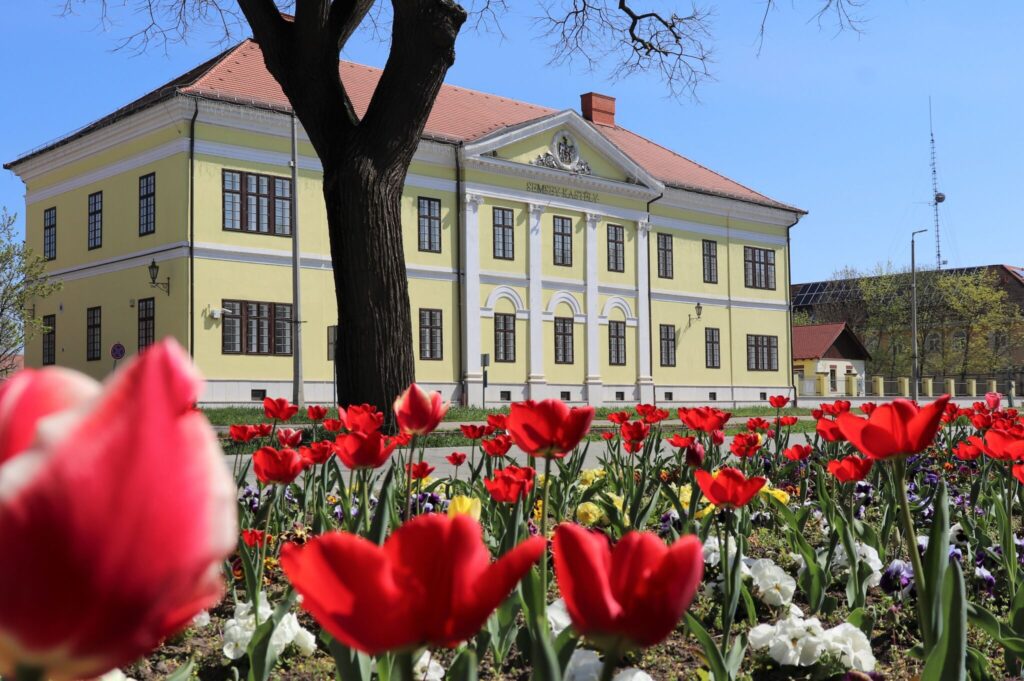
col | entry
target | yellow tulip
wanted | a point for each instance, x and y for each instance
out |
(462, 505)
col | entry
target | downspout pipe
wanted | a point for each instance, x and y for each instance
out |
(789, 309)
(459, 274)
(650, 312)
(192, 232)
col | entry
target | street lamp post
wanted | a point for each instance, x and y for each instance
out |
(914, 370)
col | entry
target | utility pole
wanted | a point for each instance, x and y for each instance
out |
(298, 396)
(914, 369)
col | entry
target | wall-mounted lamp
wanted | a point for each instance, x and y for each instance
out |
(154, 272)
(698, 309)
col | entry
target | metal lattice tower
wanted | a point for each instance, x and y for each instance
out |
(937, 196)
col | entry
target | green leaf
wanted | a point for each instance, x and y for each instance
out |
(351, 665)
(936, 560)
(261, 657)
(863, 620)
(1000, 632)
(183, 672)
(545, 662)
(947, 661)
(712, 654)
(735, 657)
(382, 517)
(464, 668)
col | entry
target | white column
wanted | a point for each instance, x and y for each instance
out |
(593, 379)
(535, 378)
(473, 373)
(645, 382)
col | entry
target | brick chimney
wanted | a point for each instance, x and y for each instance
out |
(598, 108)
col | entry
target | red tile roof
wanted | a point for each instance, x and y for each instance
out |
(459, 115)
(813, 341)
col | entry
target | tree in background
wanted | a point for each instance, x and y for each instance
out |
(22, 281)
(365, 159)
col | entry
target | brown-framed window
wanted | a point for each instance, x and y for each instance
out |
(563, 340)
(563, 241)
(50, 233)
(147, 204)
(710, 252)
(504, 338)
(665, 268)
(759, 267)
(616, 248)
(255, 203)
(504, 234)
(49, 339)
(712, 348)
(617, 343)
(762, 353)
(147, 322)
(95, 220)
(332, 341)
(93, 333)
(256, 328)
(667, 334)
(429, 211)
(431, 334)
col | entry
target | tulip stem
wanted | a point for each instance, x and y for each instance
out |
(910, 537)
(404, 667)
(611, 662)
(544, 530)
(28, 674)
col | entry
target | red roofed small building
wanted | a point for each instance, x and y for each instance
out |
(557, 251)
(828, 359)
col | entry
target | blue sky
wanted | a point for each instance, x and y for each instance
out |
(836, 124)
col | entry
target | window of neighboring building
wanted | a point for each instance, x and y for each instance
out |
(430, 334)
(712, 349)
(616, 343)
(665, 256)
(833, 379)
(563, 340)
(668, 345)
(50, 233)
(504, 338)
(762, 353)
(332, 341)
(147, 322)
(959, 341)
(616, 249)
(255, 328)
(49, 339)
(429, 217)
(147, 204)
(999, 340)
(563, 241)
(93, 334)
(710, 250)
(95, 220)
(257, 203)
(504, 232)
(758, 267)
(932, 342)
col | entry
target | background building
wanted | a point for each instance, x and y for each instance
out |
(829, 359)
(581, 260)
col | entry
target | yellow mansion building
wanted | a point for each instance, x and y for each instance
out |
(558, 252)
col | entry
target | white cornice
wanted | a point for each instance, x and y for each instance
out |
(661, 222)
(726, 207)
(667, 296)
(547, 201)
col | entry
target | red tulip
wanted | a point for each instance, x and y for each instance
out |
(992, 400)
(1018, 472)
(472, 432)
(419, 471)
(607, 435)
(797, 452)
(317, 453)
(497, 445)
(548, 428)
(633, 446)
(253, 538)
(786, 421)
(841, 406)
(276, 466)
(264, 429)
(619, 417)
(981, 421)
(868, 407)
(965, 451)
(778, 401)
(718, 437)
(456, 459)
(364, 450)
(706, 419)
(629, 596)
(745, 444)
(116, 512)
(728, 487)
(332, 425)
(655, 416)
(432, 583)
(1000, 444)
(636, 431)
(316, 412)
(510, 484)
(692, 450)
(288, 437)
(279, 409)
(496, 421)
(894, 429)
(850, 468)
(829, 431)
(418, 412)
(757, 423)
(363, 418)
(242, 433)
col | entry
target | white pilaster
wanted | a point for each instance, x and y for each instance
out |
(645, 382)
(593, 379)
(535, 377)
(473, 372)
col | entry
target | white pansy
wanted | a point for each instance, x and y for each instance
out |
(868, 555)
(584, 665)
(115, 675)
(305, 641)
(713, 551)
(427, 668)
(558, 617)
(238, 630)
(773, 585)
(632, 674)
(852, 647)
(201, 620)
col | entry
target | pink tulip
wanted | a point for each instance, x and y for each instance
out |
(116, 512)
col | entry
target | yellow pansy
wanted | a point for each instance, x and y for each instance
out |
(463, 505)
(591, 475)
(589, 514)
(710, 508)
(779, 494)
